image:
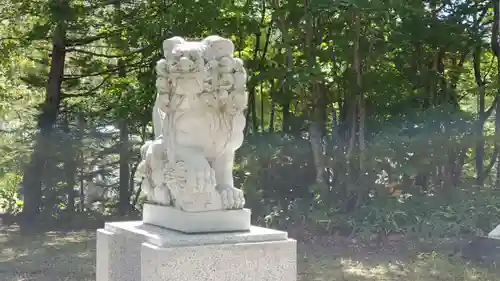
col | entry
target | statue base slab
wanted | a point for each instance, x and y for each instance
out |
(197, 222)
(495, 233)
(135, 251)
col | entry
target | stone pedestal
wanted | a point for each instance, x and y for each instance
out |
(135, 251)
(495, 233)
(196, 222)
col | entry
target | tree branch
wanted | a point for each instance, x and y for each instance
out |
(88, 40)
(112, 70)
(490, 68)
(12, 38)
(107, 56)
(488, 112)
(89, 92)
(493, 160)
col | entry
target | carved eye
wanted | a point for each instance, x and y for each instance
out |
(178, 54)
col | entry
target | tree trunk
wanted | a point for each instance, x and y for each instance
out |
(261, 108)
(496, 50)
(32, 179)
(286, 125)
(81, 158)
(285, 88)
(251, 113)
(316, 128)
(70, 167)
(359, 91)
(124, 177)
(273, 106)
(480, 123)
(356, 138)
(124, 192)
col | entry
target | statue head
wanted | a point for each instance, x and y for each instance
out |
(195, 67)
(183, 65)
(216, 47)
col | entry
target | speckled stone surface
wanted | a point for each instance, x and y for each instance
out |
(495, 233)
(133, 251)
(196, 222)
(169, 238)
(262, 261)
(117, 257)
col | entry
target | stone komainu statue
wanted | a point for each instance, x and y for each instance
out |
(198, 121)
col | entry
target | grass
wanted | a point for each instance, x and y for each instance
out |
(70, 256)
(358, 265)
(51, 256)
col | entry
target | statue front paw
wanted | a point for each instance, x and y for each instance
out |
(199, 176)
(232, 198)
(162, 195)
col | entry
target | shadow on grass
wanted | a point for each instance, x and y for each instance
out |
(70, 256)
(78, 221)
(53, 249)
(49, 256)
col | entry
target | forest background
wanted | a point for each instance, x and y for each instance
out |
(365, 118)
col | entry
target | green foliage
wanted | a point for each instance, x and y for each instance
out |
(274, 170)
(418, 125)
(9, 193)
(468, 213)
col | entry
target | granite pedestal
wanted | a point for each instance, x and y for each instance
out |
(135, 251)
(197, 222)
(495, 233)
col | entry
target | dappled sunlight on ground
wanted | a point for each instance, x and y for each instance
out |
(70, 256)
(51, 256)
(357, 266)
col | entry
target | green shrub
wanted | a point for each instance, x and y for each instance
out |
(9, 193)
